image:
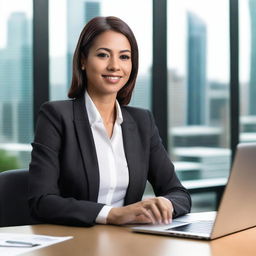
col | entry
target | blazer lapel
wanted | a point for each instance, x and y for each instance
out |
(133, 151)
(87, 147)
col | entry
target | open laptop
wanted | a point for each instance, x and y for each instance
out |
(237, 207)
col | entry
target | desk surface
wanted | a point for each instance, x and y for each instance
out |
(120, 241)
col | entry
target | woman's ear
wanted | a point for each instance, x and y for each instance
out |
(83, 63)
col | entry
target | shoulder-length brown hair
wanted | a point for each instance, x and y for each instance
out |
(92, 29)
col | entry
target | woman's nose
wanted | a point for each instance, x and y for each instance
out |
(113, 64)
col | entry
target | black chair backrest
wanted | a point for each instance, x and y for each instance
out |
(14, 210)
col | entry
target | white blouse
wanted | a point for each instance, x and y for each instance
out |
(113, 168)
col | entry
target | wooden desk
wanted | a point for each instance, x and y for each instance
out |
(120, 241)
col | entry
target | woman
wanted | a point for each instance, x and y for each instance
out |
(92, 155)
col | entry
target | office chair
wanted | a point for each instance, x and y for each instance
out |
(14, 210)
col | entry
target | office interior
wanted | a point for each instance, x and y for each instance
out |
(197, 75)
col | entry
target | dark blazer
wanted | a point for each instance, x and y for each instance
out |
(64, 173)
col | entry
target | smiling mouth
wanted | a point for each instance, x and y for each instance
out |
(112, 78)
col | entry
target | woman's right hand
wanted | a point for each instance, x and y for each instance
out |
(157, 210)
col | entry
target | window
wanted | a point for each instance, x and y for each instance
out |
(66, 22)
(198, 88)
(16, 110)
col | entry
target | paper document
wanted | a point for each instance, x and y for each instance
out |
(15, 244)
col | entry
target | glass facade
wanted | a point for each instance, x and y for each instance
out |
(198, 88)
(16, 88)
(67, 19)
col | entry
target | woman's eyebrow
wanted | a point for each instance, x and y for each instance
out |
(109, 50)
(105, 49)
(125, 51)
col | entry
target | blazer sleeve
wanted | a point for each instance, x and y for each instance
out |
(45, 199)
(162, 175)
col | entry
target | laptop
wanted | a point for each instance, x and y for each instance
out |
(237, 208)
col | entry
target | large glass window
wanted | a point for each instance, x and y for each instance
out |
(67, 19)
(198, 88)
(247, 69)
(16, 125)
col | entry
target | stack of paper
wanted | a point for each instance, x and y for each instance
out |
(15, 244)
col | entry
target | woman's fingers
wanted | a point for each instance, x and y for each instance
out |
(161, 209)
(157, 217)
(148, 214)
(166, 209)
(153, 210)
(142, 219)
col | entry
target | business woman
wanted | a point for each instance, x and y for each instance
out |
(92, 155)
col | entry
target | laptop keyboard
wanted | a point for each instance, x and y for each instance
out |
(195, 227)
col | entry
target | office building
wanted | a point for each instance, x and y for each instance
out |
(177, 99)
(248, 128)
(212, 162)
(16, 110)
(218, 97)
(187, 170)
(91, 9)
(244, 104)
(248, 124)
(16, 81)
(196, 71)
(142, 92)
(192, 136)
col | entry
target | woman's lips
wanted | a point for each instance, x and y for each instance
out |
(111, 79)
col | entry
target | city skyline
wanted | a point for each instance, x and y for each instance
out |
(16, 104)
(199, 7)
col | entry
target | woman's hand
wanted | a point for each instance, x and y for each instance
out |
(157, 210)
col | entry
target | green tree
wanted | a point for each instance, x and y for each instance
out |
(7, 162)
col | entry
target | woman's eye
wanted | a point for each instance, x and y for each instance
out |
(102, 55)
(125, 57)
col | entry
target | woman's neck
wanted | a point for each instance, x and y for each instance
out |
(106, 107)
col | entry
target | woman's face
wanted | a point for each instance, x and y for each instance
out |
(108, 64)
